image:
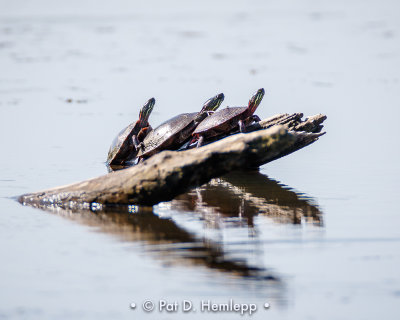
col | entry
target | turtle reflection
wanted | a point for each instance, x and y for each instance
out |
(240, 196)
(164, 239)
(178, 239)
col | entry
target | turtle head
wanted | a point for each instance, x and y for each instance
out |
(147, 108)
(213, 103)
(255, 100)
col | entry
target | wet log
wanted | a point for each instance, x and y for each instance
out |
(170, 173)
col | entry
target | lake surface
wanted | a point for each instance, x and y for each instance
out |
(315, 234)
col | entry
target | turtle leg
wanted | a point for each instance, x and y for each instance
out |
(143, 133)
(187, 145)
(135, 142)
(242, 127)
(140, 146)
(255, 118)
(200, 142)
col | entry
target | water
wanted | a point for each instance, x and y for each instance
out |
(314, 231)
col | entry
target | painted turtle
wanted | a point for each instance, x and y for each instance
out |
(226, 120)
(125, 145)
(176, 131)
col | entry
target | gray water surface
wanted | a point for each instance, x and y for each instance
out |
(314, 234)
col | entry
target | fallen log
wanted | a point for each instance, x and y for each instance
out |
(170, 173)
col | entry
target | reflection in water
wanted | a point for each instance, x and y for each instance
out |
(229, 203)
(165, 239)
(242, 195)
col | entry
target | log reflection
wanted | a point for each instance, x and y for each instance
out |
(163, 239)
(241, 196)
(232, 202)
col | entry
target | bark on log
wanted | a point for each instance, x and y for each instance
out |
(170, 173)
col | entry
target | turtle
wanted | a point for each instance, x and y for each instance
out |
(125, 145)
(227, 120)
(174, 132)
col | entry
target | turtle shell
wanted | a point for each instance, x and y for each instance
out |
(167, 133)
(224, 119)
(122, 145)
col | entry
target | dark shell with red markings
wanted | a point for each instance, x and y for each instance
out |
(176, 131)
(122, 145)
(124, 148)
(222, 118)
(167, 133)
